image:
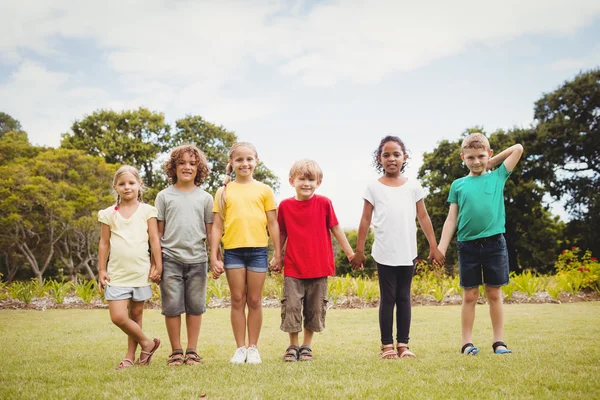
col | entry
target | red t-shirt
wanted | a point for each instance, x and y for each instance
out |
(309, 251)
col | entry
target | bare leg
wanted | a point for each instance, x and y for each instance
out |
(256, 281)
(494, 296)
(136, 311)
(192, 323)
(174, 331)
(294, 339)
(467, 313)
(236, 278)
(308, 336)
(119, 315)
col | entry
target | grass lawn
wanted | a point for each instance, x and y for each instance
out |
(72, 354)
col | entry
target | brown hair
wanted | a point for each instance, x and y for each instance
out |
(475, 141)
(170, 165)
(306, 168)
(228, 170)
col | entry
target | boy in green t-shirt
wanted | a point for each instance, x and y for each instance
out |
(477, 210)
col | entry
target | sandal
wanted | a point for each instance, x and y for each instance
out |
(469, 349)
(305, 353)
(146, 361)
(389, 354)
(404, 352)
(176, 358)
(125, 363)
(291, 353)
(499, 343)
(191, 357)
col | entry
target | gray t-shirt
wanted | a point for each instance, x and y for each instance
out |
(185, 215)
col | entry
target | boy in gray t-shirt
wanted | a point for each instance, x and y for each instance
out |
(184, 224)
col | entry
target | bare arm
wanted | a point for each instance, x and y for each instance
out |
(449, 228)
(282, 240)
(214, 238)
(103, 249)
(427, 227)
(363, 229)
(340, 236)
(156, 266)
(273, 226)
(510, 156)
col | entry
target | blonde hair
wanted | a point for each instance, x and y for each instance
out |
(127, 169)
(228, 171)
(306, 168)
(475, 141)
(170, 165)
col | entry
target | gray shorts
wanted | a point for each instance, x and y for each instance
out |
(303, 298)
(183, 287)
(127, 292)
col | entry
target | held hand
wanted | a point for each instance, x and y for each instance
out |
(357, 260)
(217, 268)
(275, 264)
(437, 257)
(351, 259)
(103, 280)
(155, 273)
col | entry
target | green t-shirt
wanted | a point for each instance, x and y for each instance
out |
(480, 202)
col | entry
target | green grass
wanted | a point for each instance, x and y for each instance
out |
(72, 354)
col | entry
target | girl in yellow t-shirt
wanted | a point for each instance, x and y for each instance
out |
(242, 210)
(125, 230)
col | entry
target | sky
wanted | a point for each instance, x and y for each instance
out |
(323, 80)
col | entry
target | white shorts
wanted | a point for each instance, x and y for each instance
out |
(127, 292)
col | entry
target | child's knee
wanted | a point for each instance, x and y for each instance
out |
(471, 295)
(254, 302)
(493, 294)
(119, 319)
(238, 300)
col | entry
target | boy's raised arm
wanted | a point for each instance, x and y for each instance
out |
(510, 156)
(449, 228)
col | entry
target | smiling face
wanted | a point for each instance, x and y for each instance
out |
(127, 186)
(187, 168)
(243, 160)
(392, 157)
(476, 160)
(305, 186)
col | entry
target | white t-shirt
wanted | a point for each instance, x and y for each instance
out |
(394, 221)
(129, 260)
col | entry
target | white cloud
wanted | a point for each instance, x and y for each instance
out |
(578, 64)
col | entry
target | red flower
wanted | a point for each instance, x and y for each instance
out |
(581, 270)
(573, 247)
(563, 252)
(593, 259)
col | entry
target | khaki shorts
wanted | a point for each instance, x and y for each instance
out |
(303, 298)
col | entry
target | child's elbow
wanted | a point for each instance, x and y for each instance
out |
(519, 148)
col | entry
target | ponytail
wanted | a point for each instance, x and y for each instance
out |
(223, 197)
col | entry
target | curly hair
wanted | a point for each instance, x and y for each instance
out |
(170, 165)
(379, 150)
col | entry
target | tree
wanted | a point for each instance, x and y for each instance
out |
(567, 148)
(133, 137)
(215, 141)
(8, 124)
(532, 234)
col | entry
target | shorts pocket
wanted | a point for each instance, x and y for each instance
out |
(501, 242)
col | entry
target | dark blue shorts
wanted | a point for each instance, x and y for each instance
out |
(483, 261)
(254, 259)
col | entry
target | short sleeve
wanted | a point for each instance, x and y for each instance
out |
(368, 195)
(216, 200)
(281, 217)
(453, 196)
(159, 203)
(269, 199)
(102, 217)
(151, 212)
(418, 191)
(331, 217)
(208, 209)
(502, 171)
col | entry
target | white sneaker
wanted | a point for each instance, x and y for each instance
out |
(253, 357)
(239, 357)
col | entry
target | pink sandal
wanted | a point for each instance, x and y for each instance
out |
(389, 354)
(146, 361)
(125, 363)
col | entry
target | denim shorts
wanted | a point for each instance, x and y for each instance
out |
(183, 288)
(482, 261)
(254, 259)
(112, 293)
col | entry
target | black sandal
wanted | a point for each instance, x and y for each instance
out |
(176, 358)
(499, 343)
(191, 357)
(305, 353)
(291, 354)
(469, 349)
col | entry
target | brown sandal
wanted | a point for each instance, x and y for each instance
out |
(191, 357)
(125, 363)
(403, 352)
(149, 354)
(176, 358)
(389, 354)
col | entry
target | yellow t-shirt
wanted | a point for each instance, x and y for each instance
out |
(129, 260)
(245, 222)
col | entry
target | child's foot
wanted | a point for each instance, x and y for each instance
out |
(500, 348)
(305, 353)
(252, 356)
(125, 363)
(191, 357)
(291, 353)
(239, 357)
(388, 352)
(148, 351)
(175, 358)
(404, 352)
(469, 349)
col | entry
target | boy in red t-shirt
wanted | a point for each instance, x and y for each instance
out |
(305, 222)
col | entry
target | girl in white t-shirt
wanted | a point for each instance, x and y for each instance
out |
(126, 228)
(391, 205)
